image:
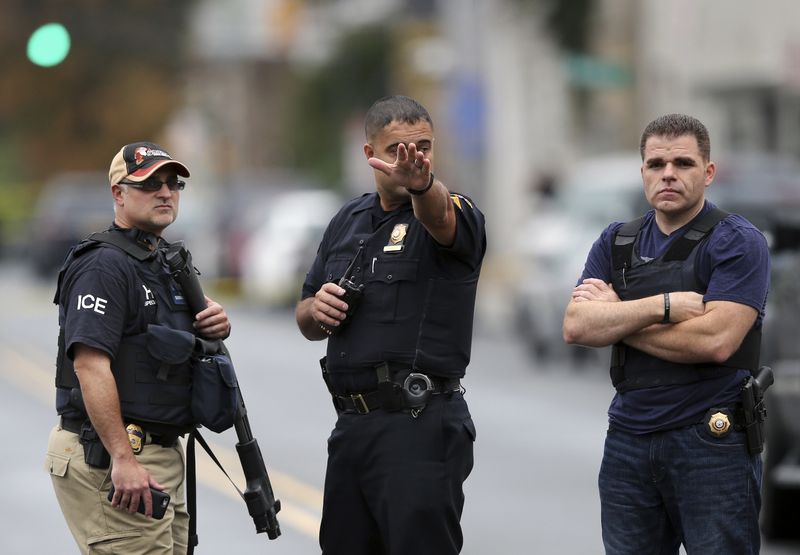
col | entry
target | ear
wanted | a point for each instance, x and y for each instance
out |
(369, 152)
(118, 193)
(711, 171)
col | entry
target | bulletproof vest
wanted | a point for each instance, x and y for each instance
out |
(636, 278)
(154, 387)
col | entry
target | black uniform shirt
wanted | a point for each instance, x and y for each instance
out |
(101, 298)
(419, 297)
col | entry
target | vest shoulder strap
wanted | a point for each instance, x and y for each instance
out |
(622, 248)
(121, 242)
(625, 238)
(684, 245)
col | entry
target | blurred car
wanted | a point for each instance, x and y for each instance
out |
(69, 207)
(766, 190)
(245, 199)
(556, 240)
(276, 257)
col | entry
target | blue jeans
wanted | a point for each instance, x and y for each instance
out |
(680, 486)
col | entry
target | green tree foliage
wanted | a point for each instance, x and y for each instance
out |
(327, 97)
(119, 82)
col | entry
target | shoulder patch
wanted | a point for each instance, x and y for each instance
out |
(457, 201)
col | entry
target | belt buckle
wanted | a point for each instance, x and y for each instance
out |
(359, 403)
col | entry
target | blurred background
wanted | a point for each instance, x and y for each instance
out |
(538, 107)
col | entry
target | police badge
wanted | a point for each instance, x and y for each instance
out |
(396, 238)
(136, 437)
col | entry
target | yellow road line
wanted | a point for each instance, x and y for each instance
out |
(301, 503)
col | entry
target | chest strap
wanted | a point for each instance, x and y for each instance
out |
(625, 239)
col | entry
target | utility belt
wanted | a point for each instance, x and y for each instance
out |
(95, 452)
(399, 388)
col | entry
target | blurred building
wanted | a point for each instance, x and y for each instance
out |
(733, 64)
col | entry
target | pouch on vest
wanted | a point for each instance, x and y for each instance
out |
(215, 391)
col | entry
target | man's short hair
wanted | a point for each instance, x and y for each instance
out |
(393, 108)
(678, 125)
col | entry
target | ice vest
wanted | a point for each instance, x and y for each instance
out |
(153, 368)
(675, 270)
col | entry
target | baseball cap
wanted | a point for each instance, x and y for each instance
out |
(137, 161)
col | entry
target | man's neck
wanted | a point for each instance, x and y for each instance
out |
(668, 224)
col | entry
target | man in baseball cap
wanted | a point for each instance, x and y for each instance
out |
(137, 161)
(122, 405)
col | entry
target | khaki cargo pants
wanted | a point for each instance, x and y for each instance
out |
(98, 528)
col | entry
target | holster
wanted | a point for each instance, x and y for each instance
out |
(754, 413)
(391, 393)
(94, 452)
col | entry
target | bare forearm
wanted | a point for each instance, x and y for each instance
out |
(712, 337)
(674, 343)
(435, 211)
(100, 397)
(600, 323)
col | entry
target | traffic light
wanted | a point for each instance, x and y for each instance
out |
(49, 45)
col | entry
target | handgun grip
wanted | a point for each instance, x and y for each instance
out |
(764, 378)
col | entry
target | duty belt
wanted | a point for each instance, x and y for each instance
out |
(164, 440)
(365, 402)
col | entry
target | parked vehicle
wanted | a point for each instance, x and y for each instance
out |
(280, 251)
(556, 240)
(767, 192)
(69, 207)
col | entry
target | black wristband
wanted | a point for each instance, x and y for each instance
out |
(666, 309)
(421, 191)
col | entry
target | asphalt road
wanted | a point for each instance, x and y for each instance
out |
(533, 489)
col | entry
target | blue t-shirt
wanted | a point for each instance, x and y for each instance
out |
(732, 265)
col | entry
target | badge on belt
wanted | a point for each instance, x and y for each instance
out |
(136, 437)
(719, 424)
(396, 238)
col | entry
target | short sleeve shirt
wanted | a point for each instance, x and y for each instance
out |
(101, 299)
(731, 265)
(418, 296)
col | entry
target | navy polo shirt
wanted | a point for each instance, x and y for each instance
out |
(731, 265)
(418, 298)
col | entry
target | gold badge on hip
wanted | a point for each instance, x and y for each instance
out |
(136, 437)
(396, 238)
(719, 424)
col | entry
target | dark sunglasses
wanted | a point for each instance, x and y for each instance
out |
(151, 184)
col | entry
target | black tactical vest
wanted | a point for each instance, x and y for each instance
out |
(635, 278)
(153, 378)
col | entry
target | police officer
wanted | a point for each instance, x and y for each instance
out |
(392, 289)
(680, 293)
(122, 397)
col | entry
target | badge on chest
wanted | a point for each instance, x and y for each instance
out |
(396, 238)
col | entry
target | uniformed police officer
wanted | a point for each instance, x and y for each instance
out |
(122, 401)
(393, 290)
(680, 293)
